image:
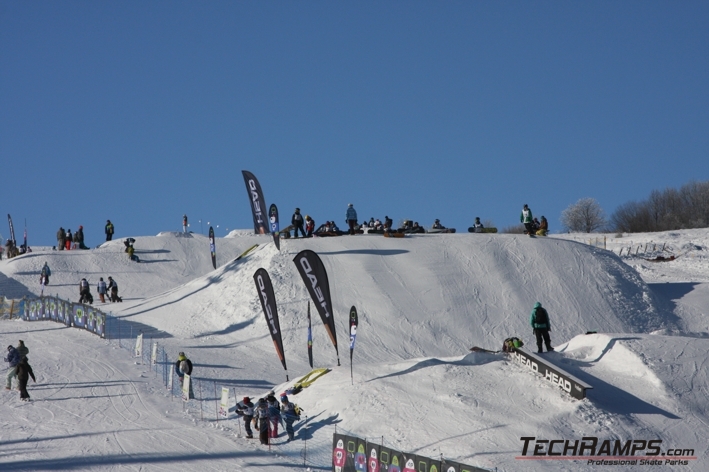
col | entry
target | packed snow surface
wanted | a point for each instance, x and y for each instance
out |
(423, 301)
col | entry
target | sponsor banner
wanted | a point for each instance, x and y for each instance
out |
(78, 313)
(12, 228)
(224, 403)
(373, 457)
(396, 460)
(314, 276)
(138, 350)
(268, 303)
(360, 455)
(154, 354)
(553, 374)
(258, 203)
(53, 308)
(273, 220)
(185, 386)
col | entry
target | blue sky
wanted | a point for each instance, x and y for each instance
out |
(139, 112)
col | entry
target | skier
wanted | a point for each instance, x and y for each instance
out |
(101, 289)
(44, 275)
(297, 222)
(478, 225)
(289, 414)
(351, 218)
(184, 366)
(61, 239)
(246, 409)
(526, 218)
(85, 292)
(309, 226)
(262, 415)
(109, 230)
(12, 358)
(24, 372)
(539, 319)
(184, 223)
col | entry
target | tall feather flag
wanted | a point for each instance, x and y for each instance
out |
(273, 219)
(313, 272)
(264, 287)
(354, 322)
(310, 338)
(213, 247)
(258, 203)
(12, 229)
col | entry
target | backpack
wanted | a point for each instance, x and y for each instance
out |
(510, 344)
(541, 316)
(297, 410)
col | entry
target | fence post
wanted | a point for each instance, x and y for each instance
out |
(12, 306)
(216, 402)
(201, 412)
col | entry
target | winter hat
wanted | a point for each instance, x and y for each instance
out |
(81, 227)
(284, 399)
(101, 279)
(247, 399)
(349, 204)
(537, 305)
(181, 356)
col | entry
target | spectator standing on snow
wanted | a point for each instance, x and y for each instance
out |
(539, 319)
(109, 230)
(261, 414)
(297, 222)
(184, 223)
(351, 218)
(44, 275)
(527, 219)
(246, 409)
(12, 358)
(68, 239)
(24, 372)
(61, 239)
(478, 225)
(80, 238)
(274, 415)
(102, 289)
(113, 288)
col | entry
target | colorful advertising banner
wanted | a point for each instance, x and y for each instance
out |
(224, 403)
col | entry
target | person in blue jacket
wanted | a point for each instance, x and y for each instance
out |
(12, 358)
(351, 218)
(539, 319)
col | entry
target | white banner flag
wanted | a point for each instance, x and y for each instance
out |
(186, 388)
(224, 404)
(154, 354)
(139, 346)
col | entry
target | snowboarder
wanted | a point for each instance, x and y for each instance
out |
(437, 224)
(478, 225)
(388, 223)
(85, 292)
(543, 227)
(184, 223)
(246, 409)
(351, 218)
(262, 415)
(113, 288)
(102, 290)
(290, 416)
(309, 226)
(526, 218)
(131, 254)
(12, 358)
(539, 319)
(24, 372)
(44, 275)
(184, 366)
(109, 230)
(61, 239)
(297, 222)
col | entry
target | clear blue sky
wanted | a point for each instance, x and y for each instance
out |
(140, 111)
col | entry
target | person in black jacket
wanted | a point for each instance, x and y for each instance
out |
(109, 230)
(24, 372)
(297, 222)
(184, 366)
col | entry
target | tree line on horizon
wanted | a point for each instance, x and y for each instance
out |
(666, 210)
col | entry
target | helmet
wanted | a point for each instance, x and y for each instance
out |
(349, 204)
(297, 210)
(437, 220)
(307, 217)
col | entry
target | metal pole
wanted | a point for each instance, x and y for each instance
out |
(201, 412)
(216, 402)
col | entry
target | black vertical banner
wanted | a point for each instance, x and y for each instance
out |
(354, 322)
(258, 203)
(313, 272)
(268, 303)
(212, 247)
(273, 219)
(12, 229)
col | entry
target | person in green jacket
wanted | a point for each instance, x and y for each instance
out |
(526, 218)
(539, 319)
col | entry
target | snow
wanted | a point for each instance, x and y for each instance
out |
(422, 302)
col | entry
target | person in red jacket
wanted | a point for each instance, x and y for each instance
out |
(309, 226)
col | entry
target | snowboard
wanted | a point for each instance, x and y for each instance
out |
(484, 230)
(245, 253)
(480, 349)
(441, 230)
(394, 235)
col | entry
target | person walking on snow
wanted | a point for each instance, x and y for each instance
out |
(44, 275)
(274, 415)
(85, 292)
(184, 366)
(539, 319)
(109, 230)
(262, 415)
(113, 288)
(24, 372)
(246, 409)
(309, 226)
(526, 218)
(12, 358)
(351, 218)
(289, 415)
(102, 290)
(297, 222)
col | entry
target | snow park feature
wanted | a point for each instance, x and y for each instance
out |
(421, 303)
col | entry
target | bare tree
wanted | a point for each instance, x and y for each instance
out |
(584, 216)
